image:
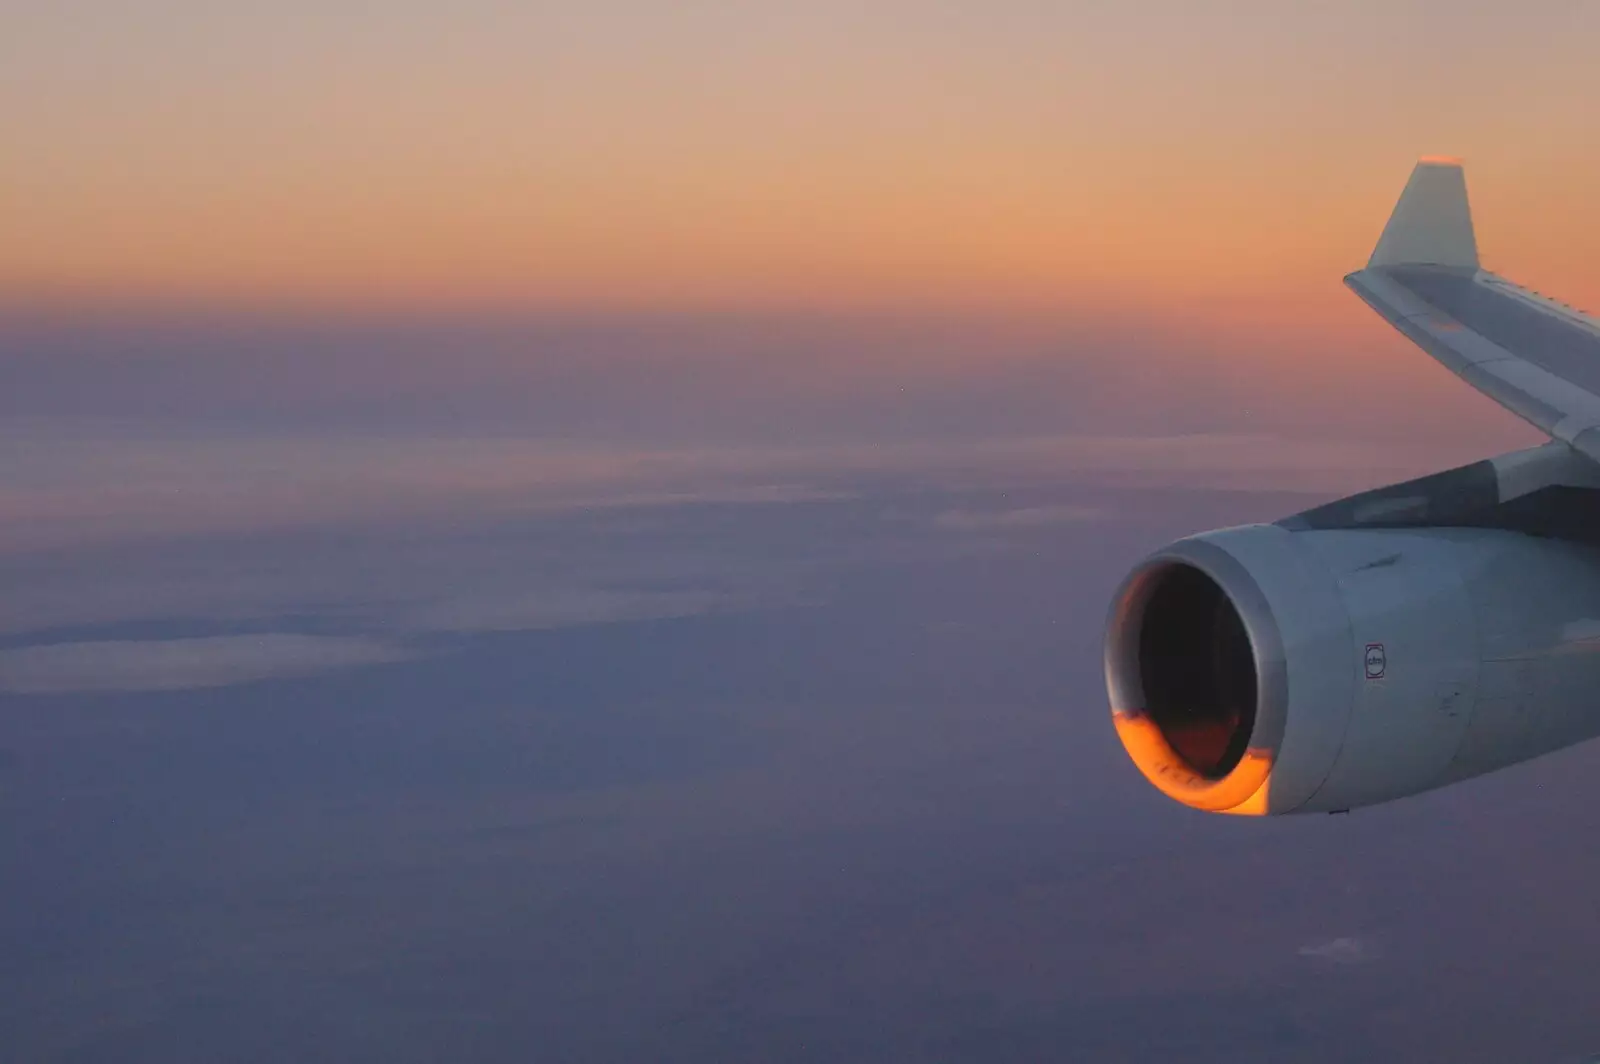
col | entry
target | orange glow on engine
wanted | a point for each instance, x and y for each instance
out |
(1243, 791)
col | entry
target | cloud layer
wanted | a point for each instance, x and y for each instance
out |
(181, 664)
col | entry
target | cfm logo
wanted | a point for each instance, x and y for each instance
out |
(1376, 661)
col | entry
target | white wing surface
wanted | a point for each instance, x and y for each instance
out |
(1536, 356)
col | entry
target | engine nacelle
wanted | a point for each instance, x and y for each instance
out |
(1273, 669)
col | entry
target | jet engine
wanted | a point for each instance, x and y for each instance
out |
(1378, 647)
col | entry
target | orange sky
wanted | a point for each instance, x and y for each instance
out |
(909, 156)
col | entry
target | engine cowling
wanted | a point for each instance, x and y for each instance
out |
(1266, 669)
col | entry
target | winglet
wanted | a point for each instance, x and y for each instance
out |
(1432, 223)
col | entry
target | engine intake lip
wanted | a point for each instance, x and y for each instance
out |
(1229, 770)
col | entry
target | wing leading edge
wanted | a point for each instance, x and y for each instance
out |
(1537, 357)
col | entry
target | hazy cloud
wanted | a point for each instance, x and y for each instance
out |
(561, 608)
(76, 484)
(1343, 950)
(179, 664)
(1026, 517)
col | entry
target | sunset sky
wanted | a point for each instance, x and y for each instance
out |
(582, 530)
(623, 154)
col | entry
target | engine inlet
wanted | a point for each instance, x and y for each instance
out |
(1186, 679)
(1197, 670)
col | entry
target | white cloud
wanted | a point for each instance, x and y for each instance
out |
(179, 664)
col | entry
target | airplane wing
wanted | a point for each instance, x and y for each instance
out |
(1535, 356)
